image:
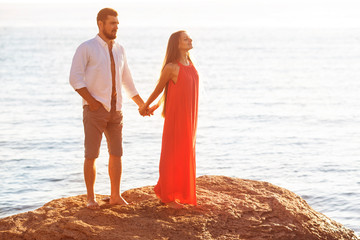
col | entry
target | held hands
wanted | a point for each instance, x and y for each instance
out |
(146, 111)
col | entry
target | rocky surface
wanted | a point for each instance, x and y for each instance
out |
(228, 208)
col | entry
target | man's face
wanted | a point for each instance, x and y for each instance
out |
(110, 27)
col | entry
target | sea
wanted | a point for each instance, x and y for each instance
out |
(280, 105)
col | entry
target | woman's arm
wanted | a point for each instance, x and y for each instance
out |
(168, 73)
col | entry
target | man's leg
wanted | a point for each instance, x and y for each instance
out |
(115, 170)
(94, 125)
(90, 176)
(113, 133)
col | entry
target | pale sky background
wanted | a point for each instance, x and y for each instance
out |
(185, 13)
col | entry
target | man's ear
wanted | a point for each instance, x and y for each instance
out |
(100, 24)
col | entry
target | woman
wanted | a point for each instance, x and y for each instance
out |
(177, 181)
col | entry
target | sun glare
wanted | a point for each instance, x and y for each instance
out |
(196, 13)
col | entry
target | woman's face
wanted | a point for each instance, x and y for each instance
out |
(185, 42)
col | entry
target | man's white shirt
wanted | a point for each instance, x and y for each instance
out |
(91, 68)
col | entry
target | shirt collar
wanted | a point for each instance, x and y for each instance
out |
(102, 42)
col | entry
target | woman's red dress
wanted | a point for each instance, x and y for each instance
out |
(177, 179)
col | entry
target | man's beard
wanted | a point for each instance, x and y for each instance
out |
(110, 35)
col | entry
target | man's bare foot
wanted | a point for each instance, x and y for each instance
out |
(175, 205)
(117, 201)
(92, 204)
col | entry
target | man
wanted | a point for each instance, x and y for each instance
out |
(99, 71)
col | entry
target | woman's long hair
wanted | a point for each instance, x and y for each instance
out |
(171, 56)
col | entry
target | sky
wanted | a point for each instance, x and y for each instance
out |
(217, 13)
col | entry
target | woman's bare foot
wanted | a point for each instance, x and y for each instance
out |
(92, 204)
(175, 205)
(117, 201)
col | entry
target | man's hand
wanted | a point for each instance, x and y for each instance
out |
(144, 110)
(95, 105)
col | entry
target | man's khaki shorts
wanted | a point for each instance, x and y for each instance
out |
(98, 122)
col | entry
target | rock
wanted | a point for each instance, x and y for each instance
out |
(228, 208)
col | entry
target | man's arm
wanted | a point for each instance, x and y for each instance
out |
(77, 73)
(78, 66)
(85, 94)
(128, 82)
(138, 100)
(129, 85)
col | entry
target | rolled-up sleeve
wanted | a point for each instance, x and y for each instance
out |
(77, 71)
(127, 80)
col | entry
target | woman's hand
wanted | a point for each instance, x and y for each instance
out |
(153, 108)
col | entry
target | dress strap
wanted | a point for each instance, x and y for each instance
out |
(180, 64)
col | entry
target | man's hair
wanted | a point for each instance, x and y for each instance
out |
(103, 13)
